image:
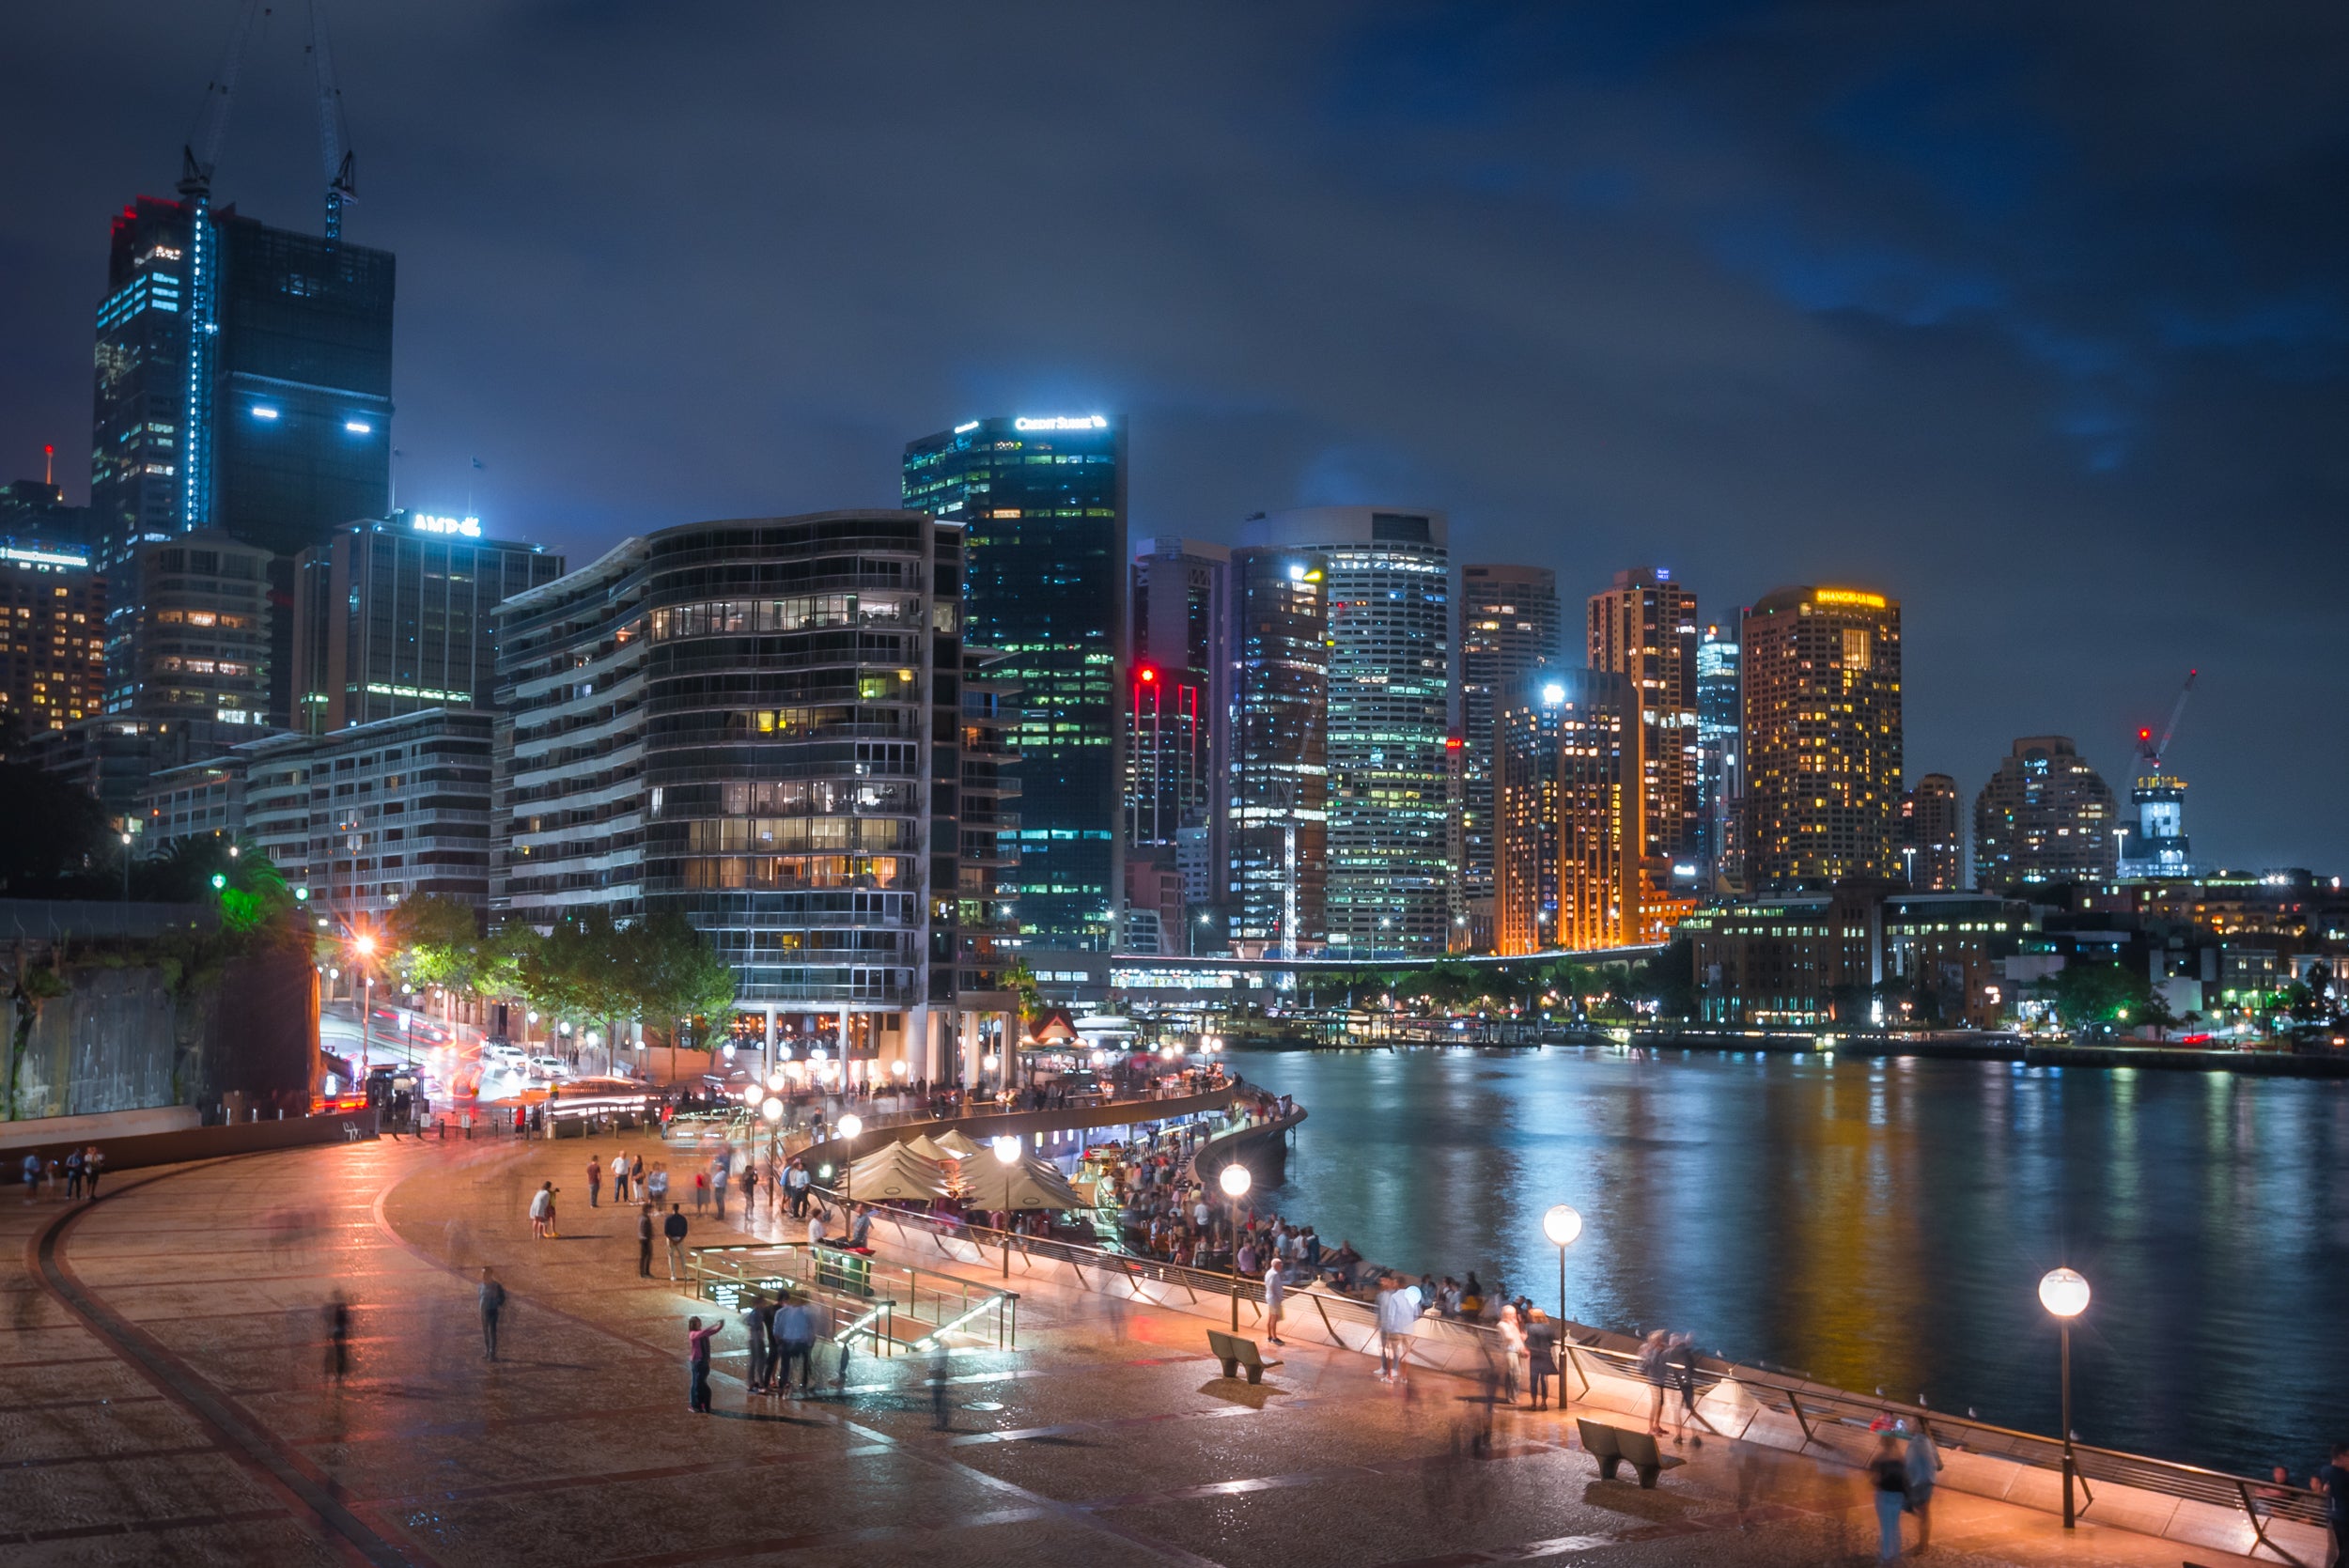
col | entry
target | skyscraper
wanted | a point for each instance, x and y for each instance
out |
(1823, 737)
(1721, 752)
(1644, 628)
(1388, 583)
(1177, 681)
(1567, 806)
(1510, 625)
(2045, 816)
(52, 635)
(195, 638)
(1932, 836)
(1276, 877)
(1044, 501)
(276, 433)
(395, 616)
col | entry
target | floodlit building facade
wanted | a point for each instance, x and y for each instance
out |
(1510, 627)
(1933, 835)
(1721, 753)
(1276, 878)
(52, 633)
(1567, 871)
(1644, 628)
(1822, 686)
(2045, 816)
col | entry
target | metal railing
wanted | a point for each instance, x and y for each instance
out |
(887, 1305)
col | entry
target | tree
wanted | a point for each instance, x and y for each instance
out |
(672, 972)
(435, 940)
(2094, 995)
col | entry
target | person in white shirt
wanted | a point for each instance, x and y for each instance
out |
(1272, 1289)
(1398, 1309)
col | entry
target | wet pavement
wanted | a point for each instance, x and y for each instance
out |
(168, 1394)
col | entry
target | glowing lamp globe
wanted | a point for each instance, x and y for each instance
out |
(851, 1124)
(776, 1081)
(1562, 1224)
(772, 1109)
(2063, 1292)
(1007, 1149)
(1234, 1181)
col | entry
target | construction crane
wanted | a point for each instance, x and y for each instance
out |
(197, 157)
(334, 134)
(2149, 751)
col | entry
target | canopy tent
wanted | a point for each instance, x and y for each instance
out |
(1031, 1183)
(1055, 1029)
(955, 1143)
(920, 1143)
(895, 1171)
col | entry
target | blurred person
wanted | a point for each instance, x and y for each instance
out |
(595, 1181)
(1923, 1464)
(1540, 1358)
(644, 1241)
(541, 1208)
(1512, 1351)
(491, 1300)
(698, 1363)
(1655, 1369)
(337, 1315)
(1888, 1473)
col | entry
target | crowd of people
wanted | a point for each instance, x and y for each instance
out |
(76, 1171)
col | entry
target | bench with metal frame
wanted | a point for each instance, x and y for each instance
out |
(1236, 1352)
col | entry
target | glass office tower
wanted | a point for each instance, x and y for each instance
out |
(1044, 503)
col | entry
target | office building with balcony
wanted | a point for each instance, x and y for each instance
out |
(2045, 816)
(399, 615)
(758, 724)
(1644, 628)
(1822, 686)
(1566, 870)
(194, 639)
(1275, 881)
(1510, 627)
(1043, 501)
(52, 633)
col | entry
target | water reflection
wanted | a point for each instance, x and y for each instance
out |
(1877, 1225)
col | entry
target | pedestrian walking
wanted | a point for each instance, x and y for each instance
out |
(795, 1326)
(1923, 1462)
(674, 1228)
(466, 1122)
(595, 1181)
(492, 1301)
(1398, 1309)
(93, 1166)
(1273, 1287)
(2333, 1480)
(1512, 1351)
(542, 1209)
(1541, 1357)
(701, 1191)
(1654, 1367)
(32, 1178)
(698, 1363)
(749, 1191)
(74, 1173)
(644, 1241)
(1683, 1360)
(754, 1326)
(338, 1336)
(657, 1185)
(721, 1167)
(1888, 1471)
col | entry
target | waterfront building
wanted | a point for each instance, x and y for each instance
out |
(2045, 816)
(270, 421)
(1932, 836)
(1644, 628)
(1822, 684)
(1721, 752)
(1177, 674)
(398, 615)
(1277, 804)
(1510, 627)
(758, 724)
(195, 641)
(1043, 499)
(1389, 596)
(52, 633)
(1862, 954)
(1568, 808)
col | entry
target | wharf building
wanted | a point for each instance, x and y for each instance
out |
(1822, 685)
(1644, 628)
(1567, 872)
(2046, 816)
(760, 724)
(398, 615)
(1510, 626)
(1276, 890)
(255, 399)
(1720, 755)
(52, 633)
(1391, 876)
(1861, 955)
(1177, 689)
(1933, 835)
(1042, 500)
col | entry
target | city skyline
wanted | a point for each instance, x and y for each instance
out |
(1950, 426)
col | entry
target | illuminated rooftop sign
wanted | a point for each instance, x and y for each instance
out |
(1082, 422)
(41, 557)
(425, 522)
(1848, 595)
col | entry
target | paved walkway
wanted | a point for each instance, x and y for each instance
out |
(166, 1396)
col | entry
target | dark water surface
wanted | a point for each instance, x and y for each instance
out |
(1879, 1224)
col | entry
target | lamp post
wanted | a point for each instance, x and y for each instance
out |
(1563, 1224)
(1234, 1182)
(850, 1127)
(1006, 1149)
(2065, 1294)
(364, 945)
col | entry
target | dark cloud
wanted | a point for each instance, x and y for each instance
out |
(2032, 314)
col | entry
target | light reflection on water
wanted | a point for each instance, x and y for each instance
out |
(1879, 1224)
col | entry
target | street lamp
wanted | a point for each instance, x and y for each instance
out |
(1006, 1149)
(364, 945)
(2065, 1294)
(1234, 1181)
(849, 1125)
(1563, 1224)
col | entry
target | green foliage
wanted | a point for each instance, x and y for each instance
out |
(1021, 979)
(434, 940)
(673, 972)
(2089, 995)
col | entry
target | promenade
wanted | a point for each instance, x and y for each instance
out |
(166, 1396)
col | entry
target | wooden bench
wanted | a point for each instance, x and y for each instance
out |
(1613, 1445)
(1235, 1353)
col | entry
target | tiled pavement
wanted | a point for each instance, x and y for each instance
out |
(164, 1397)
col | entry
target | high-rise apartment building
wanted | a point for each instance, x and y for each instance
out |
(1721, 753)
(52, 633)
(1823, 737)
(1567, 871)
(1389, 586)
(1644, 628)
(758, 724)
(195, 642)
(1510, 625)
(277, 430)
(1043, 500)
(1275, 880)
(36, 509)
(1176, 678)
(396, 615)
(1932, 836)
(2045, 816)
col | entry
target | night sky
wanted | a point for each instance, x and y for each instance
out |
(2030, 315)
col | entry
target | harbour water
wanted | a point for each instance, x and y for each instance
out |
(1879, 1224)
